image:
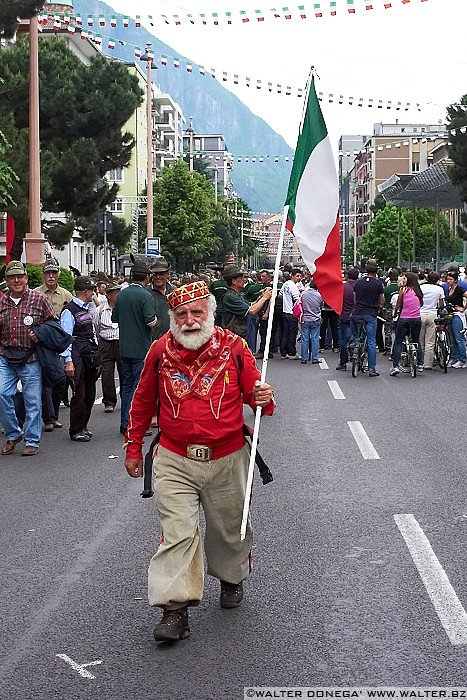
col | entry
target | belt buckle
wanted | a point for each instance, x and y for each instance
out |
(200, 453)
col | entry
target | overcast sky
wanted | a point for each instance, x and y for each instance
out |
(412, 52)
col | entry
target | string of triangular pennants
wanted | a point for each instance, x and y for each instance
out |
(406, 142)
(313, 10)
(236, 79)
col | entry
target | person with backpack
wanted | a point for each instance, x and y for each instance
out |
(197, 378)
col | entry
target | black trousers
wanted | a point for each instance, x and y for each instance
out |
(289, 337)
(82, 400)
(51, 397)
(329, 317)
(110, 359)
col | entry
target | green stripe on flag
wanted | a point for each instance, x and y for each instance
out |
(312, 132)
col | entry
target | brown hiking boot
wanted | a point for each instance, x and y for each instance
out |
(173, 626)
(231, 594)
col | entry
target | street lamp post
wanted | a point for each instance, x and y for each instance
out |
(34, 240)
(147, 57)
(191, 132)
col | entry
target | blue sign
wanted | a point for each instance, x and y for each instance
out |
(153, 246)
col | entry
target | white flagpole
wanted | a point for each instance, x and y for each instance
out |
(254, 443)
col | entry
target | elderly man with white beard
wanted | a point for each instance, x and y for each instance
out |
(197, 377)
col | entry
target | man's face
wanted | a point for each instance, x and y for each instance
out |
(264, 278)
(101, 288)
(17, 284)
(297, 277)
(192, 324)
(51, 280)
(160, 279)
(238, 283)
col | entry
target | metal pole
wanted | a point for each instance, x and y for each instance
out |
(150, 205)
(414, 222)
(191, 149)
(399, 214)
(105, 242)
(34, 240)
(355, 235)
(438, 254)
(254, 442)
(215, 185)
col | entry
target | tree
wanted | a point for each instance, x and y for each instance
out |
(425, 234)
(10, 10)
(457, 119)
(7, 175)
(381, 240)
(183, 215)
(82, 112)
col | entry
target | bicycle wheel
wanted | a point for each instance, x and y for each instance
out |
(413, 362)
(355, 356)
(443, 355)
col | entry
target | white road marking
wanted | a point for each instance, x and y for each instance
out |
(443, 596)
(323, 364)
(363, 441)
(335, 389)
(80, 668)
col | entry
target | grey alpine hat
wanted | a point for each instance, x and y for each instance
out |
(160, 265)
(83, 283)
(232, 271)
(15, 267)
(51, 265)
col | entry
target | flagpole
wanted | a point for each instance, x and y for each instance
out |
(254, 442)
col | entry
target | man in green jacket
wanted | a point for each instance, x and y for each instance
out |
(159, 288)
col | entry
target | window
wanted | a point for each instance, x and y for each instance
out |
(117, 205)
(415, 167)
(115, 175)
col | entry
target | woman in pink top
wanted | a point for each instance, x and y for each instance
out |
(408, 303)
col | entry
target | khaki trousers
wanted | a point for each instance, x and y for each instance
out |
(427, 337)
(176, 571)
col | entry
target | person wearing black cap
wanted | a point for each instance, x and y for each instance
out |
(369, 297)
(135, 313)
(76, 319)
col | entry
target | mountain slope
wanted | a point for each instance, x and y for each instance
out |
(214, 110)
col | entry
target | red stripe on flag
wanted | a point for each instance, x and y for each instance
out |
(328, 274)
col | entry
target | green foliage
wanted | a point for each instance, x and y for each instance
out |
(378, 204)
(348, 252)
(7, 175)
(66, 279)
(118, 239)
(457, 118)
(36, 278)
(11, 10)
(82, 112)
(381, 240)
(182, 215)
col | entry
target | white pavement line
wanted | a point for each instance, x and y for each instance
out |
(80, 668)
(363, 441)
(443, 596)
(335, 389)
(323, 364)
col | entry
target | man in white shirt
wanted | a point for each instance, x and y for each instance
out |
(108, 334)
(433, 298)
(290, 293)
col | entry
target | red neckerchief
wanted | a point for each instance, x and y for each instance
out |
(185, 373)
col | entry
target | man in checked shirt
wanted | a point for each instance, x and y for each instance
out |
(20, 309)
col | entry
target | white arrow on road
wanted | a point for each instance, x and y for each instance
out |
(80, 668)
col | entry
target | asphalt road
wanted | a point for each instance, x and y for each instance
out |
(359, 558)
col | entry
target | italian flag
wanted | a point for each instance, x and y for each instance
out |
(313, 199)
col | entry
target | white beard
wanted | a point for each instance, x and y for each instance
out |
(194, 339)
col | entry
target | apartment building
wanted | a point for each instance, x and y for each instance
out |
(266, 231)
(392, 148)
(213, 150)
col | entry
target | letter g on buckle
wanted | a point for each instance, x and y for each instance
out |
(200, 453)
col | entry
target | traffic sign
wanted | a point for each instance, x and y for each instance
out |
(153, 246)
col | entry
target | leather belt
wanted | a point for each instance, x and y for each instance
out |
(200, 453)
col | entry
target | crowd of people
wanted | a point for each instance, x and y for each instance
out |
(184, 350)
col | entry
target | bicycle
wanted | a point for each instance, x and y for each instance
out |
(442, 349)
(359, 351)
(409, 351)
